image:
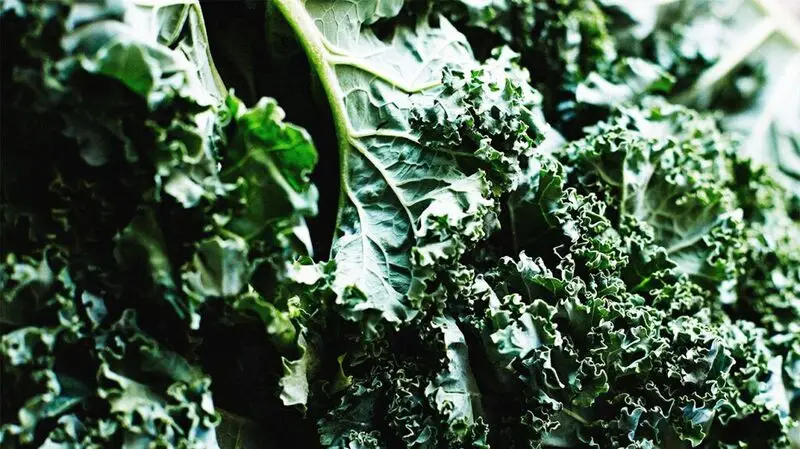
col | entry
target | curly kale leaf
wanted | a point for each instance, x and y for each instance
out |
(586, 362)
(576, 51)
(168, 204)
(588, 56)
(73, 376)
(417, 392)
(665, 171)
(641, 281)
(409, 201)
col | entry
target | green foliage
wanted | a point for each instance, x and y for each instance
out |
(132, 197)
(490, 283)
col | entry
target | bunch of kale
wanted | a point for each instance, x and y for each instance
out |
(490, 283)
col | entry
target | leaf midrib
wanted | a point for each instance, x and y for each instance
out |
(324, 57)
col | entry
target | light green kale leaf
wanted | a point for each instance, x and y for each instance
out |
(752, 83)
(408, 203)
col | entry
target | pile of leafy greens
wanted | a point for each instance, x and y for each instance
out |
(400, 224)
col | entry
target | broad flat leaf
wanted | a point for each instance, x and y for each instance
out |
(392, 187)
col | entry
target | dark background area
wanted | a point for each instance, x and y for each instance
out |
(254, 55)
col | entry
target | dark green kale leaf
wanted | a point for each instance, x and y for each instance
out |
(572, 50)
(142, 211)
(630, 326)
(664, 171)
(72, 376)
(418, 391)
(428, 139)
(489, 285)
